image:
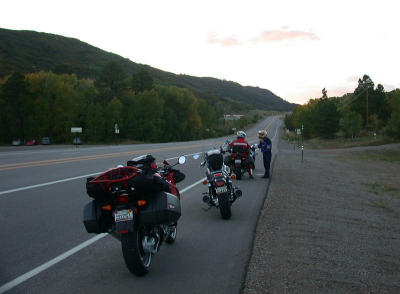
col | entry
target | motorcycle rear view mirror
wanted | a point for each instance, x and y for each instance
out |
(196, 156)
(182, 160)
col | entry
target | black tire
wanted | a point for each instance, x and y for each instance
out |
(172, 237)
(224, 206)
(136, 258)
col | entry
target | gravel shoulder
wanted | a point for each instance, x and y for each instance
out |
(330, 224)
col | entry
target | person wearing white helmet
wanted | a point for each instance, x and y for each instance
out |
(240, 141)
(266, 146)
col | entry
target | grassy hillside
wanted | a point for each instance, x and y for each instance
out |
(28, 51)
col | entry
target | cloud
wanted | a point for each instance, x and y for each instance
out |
(224, 42)
(352, 79)
(281, 35)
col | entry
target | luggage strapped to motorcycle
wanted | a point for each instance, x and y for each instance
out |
(115, 177)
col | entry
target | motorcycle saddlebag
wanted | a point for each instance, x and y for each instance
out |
(92, 217)
(161, 208)
(95, 190)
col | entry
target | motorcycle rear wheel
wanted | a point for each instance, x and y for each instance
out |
(224, 206)
(137, 259)
(238, 173)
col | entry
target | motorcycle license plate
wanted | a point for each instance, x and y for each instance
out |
(220, 190)
(238, 161)
(123, 215)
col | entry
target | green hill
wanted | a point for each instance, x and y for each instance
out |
(29, 51)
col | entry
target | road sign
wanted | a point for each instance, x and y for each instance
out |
(298, 131)
(76, 130)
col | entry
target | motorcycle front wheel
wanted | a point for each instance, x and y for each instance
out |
(224, 205)
(137, 259)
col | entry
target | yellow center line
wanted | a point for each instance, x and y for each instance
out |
(12, 166)
(90, 157)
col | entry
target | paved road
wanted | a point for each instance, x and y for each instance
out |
(42, 194)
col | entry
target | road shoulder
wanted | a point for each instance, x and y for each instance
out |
(330, 224)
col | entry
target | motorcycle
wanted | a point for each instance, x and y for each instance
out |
(139, 204)
(221, 192)
(238, 160)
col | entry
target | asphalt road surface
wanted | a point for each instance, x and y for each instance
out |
(44, 247)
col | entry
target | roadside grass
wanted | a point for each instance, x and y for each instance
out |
(378, 188)
(318, 143)
(385, 155)
(384, 205)
(382, 191)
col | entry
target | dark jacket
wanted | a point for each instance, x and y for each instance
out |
(266, 146)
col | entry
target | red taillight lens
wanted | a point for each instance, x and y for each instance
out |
(220, 183)
(123, 198)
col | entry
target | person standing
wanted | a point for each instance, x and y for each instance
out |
(266, 146)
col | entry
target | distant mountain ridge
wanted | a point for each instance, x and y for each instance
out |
(29, 51)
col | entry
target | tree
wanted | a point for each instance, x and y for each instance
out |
(326, 118)
(110, 82)
(351, 124)
(324, 93)
(393, 126)
(113, 116)
(18, 106)
(94, 125)
(141, 81)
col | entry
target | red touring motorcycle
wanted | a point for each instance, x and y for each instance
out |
(139, 204)
(238, 160)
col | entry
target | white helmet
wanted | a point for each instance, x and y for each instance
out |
(241, 134)
(262, 133)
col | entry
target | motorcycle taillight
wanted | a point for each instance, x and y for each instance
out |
(220, 183)
(122, 199)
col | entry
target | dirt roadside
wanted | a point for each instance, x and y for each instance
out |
(330, 224)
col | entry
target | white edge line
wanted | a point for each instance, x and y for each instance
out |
(48, 264)
(46, 184)
(65, 255)
(63, 180)
(192, 185)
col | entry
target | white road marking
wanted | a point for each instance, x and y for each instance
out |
(192, 185)
(46, 184)
(63, 180)
(48, 264)
(65, 255)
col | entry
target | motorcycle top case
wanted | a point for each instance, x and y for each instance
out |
(161, 208)
(215, 159)
(92, 217)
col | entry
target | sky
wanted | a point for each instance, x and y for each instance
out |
(294, 48)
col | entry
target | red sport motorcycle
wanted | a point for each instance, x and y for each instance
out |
(139, 204)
